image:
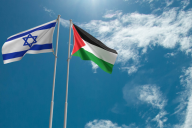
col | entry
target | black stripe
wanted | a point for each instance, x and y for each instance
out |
(92, 40)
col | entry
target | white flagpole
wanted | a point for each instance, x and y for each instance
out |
(54, 76)
(68, 60)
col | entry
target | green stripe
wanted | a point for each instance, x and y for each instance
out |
(85, 55)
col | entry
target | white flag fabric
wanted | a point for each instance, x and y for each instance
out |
(32, 41)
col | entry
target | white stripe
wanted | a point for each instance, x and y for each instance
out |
(100, 53)
(33, 28)
(12, 60)
(44, 37)
(39, 51)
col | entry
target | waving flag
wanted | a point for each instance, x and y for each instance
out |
(89, 48)
(33, 41)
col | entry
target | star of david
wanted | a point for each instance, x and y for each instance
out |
(27, 43)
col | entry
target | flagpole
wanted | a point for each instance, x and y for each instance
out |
(68, 60)
(54, 76)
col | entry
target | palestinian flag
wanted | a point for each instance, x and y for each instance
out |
(89, 48)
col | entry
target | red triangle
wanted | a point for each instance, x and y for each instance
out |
(78, 42)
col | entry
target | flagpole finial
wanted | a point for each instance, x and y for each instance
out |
(58, 17)
(71, 22)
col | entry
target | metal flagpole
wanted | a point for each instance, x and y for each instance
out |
(54, 76)
(68, 60)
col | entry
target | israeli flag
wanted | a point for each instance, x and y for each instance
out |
(33, 41)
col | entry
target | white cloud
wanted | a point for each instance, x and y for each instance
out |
(188, 118)
(166, 3)
(185, 3)
(139, 1)
(151, 94)
(111, 14)
(115, 109)
(147, 94)
(184, 109)
(160, 118)
(106, 124)
(130, 69)
(64, 23)
(169, 2)
(170, 54)
(129, 33)
(51, 12)
(94, 67)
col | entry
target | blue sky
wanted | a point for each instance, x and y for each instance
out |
(151, 83)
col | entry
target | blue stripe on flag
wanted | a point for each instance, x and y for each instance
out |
(41, 47)
(20, 54)
(13, 55)
(36, 29)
